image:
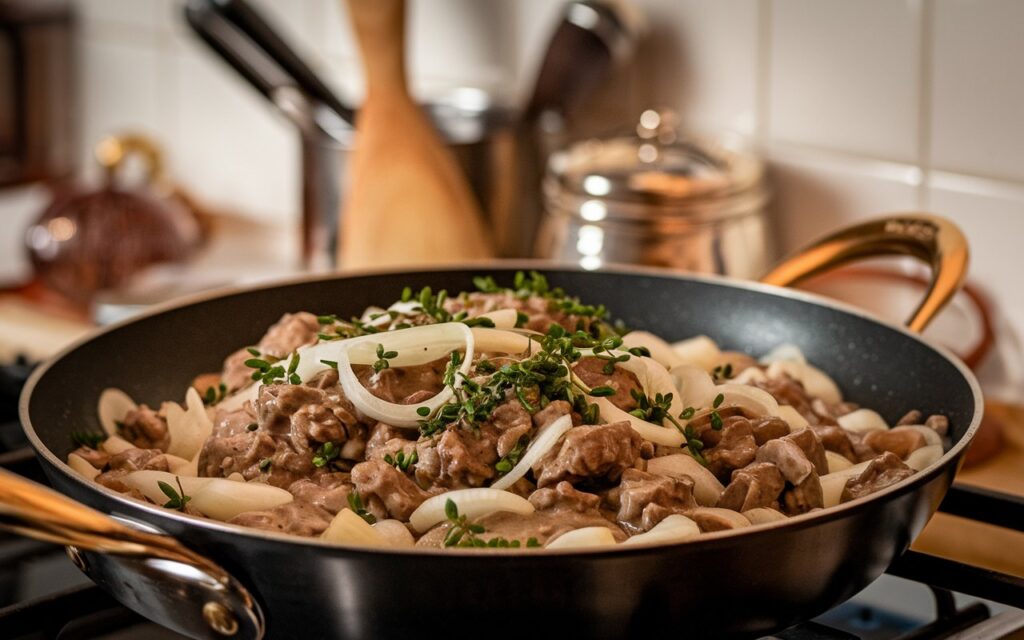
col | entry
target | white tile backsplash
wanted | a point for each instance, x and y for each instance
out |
(702, 58)
(817, 193)
(122, 91)
(991, 215)
(860, 107)
(844, 75)
(978, 88)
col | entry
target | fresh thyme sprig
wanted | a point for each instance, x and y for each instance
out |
(658, 409)
(86, 438)
(355, 502)
(722, 372)
(215, 394)
(268, 369)
(327, 452)
(178, 499)
(382, 359)
(511, 458)
(401, 461)
(462, 530)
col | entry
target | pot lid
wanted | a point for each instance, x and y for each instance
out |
(656, 165)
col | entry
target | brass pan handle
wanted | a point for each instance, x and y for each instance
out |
(227, 608)
(934, 240)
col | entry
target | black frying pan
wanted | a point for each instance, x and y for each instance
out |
(722, 584)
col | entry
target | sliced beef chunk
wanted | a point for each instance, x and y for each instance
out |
(329, 491)
(899, 440)
(553, 411)
(458, 458)
(591, 371)
(380, 435)
(590, 452)
(512, 422)
(297, 518)
(146, 429)
(242, 453)
(803, 497)
(788, 457)
(768, 428)
(646, 499)
(559, 509)
(734, 446)
(121, 464)
(883, 471)
(386, 491)
(308, 417)
(789, 391)
(911, 417)
(137, 459)
(835, 438)
(95, 457)
(940, 424)
(811, 446)
(564, 497)
(292, 331)
(229, 423)
(404, 385)
(757, 485)
(540, 312)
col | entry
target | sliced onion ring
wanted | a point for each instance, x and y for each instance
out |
(543, 443)
(674, 528)
(113, 406)
(583, 538)
(472, 503)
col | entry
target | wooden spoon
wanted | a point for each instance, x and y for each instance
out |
(408, 202)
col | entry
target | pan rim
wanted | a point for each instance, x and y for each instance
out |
(703, 541)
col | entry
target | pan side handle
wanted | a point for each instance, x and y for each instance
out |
(152, 574)
(932, 239)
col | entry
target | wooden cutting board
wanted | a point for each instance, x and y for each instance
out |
(981, 544)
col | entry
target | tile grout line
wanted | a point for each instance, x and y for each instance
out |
(924, 110)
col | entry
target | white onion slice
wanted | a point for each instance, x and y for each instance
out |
(699, 351)
(816, 382)
(665, 436)
(472, 503)
(181, 466)
(401, 415)
(395, 532)
(836, 462)
(546, 439)
(238, 399)
(931, 437)
(763, 515)
(757, 401)
(653, 379)
(82, 467)
(583, 538)
(792, 417)
(862, 421)
(189, 428)
(115, 445)
(234, 477)
(695, 387)
(113, 406)
(218, 498)
(750, 375)
(502, 318)
(349, 528)
(923, 457)
(832, 483)
(674, 528)
(706, 487)
(785, 352)
(661, 351)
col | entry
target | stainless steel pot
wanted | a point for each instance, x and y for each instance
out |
(657, 198)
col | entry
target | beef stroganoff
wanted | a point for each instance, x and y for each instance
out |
(502, 418)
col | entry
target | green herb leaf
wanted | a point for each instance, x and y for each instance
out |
(178, 499)
(86, 438)
(355, 502)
